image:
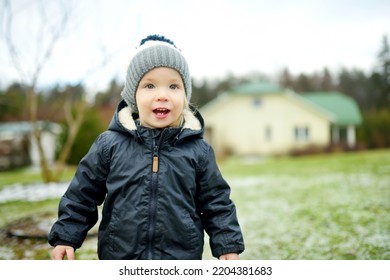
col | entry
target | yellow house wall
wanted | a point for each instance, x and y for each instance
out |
(238, 125)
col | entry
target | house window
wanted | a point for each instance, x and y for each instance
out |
(267, 133)
(257, 102)
(301, 134)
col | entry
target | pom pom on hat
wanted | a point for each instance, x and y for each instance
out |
(156, 38)
(154, 51)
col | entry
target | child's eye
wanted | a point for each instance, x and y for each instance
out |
(174, 86)
(149, 86)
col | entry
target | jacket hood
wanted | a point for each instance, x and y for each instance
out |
(124, 121)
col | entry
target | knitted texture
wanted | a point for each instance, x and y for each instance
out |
(154, 51)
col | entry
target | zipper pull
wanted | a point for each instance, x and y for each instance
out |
(155, 159)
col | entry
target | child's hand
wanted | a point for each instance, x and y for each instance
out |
(231, 256)
(60, 251)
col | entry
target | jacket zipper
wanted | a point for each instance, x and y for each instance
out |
(153, 202)
(155, 159)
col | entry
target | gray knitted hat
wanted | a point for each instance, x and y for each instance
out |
(154, 51)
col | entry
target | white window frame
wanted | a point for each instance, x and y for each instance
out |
(301, 134)
(267, 133)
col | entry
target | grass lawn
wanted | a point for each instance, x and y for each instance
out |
(334, 206)
(28, 176)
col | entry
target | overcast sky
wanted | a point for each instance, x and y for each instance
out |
(216, 36)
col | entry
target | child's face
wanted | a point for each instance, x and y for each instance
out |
(160, 98)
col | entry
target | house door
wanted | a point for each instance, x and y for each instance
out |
(344, 135)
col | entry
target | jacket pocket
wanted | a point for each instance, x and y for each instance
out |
(107, 232)
(193, 235)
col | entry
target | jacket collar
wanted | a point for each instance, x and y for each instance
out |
(125, 118)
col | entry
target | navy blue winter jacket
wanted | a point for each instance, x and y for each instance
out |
(160, 191)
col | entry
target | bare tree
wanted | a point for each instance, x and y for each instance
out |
(50, 32)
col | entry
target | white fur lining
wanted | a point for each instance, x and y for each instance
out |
(126, 119)
(190, 121)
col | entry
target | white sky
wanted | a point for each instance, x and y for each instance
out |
(216, 36)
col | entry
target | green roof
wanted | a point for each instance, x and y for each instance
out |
(258, 87)
(343, 107)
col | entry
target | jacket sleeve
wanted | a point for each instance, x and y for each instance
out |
(218, 211)
(77, 212)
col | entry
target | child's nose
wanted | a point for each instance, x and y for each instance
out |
(162, 95)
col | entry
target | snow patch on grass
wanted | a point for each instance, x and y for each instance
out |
(33, 192)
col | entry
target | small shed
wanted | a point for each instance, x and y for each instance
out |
(18, 147)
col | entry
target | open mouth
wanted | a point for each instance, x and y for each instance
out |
(161, 111)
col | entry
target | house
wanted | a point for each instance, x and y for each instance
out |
(260, 118)
(18, 147)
